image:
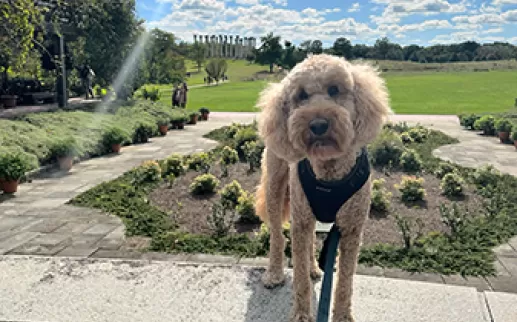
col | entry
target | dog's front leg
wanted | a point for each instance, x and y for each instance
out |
(302, 230)
(276, 184)
(350, 222)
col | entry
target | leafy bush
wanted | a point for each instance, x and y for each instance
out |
(229, 156)
(411, 161)
(170, 179)
(452, 185)
(230, 194)
(407, 227)
(253, 151)
(221, 220)
(204, 110)
(454, 218)
(468, 121)
(444, 168)
(399, 127)
(204, 184)
(386, 149)
(148, 93)
(381, 197)
(115, 135)
(485, 176)
(199, 162)
(246, 209)
(14, 163)
(411, 188)
(514, 135)
(486, 124)
(406, 138)
(65, 147)
(173, 165)
(241, 137)
(231, 130)
(503, 125)
(418, 134)
(149, 172)
(143, 131)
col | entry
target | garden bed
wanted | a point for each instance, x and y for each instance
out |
(450, 228)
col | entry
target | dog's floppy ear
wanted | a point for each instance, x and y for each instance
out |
(371, 103)
(272, 123)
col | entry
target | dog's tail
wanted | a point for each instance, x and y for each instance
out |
(261, 199)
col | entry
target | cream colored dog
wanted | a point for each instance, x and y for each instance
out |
(325, 110)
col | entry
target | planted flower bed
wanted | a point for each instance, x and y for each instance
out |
(426, 215)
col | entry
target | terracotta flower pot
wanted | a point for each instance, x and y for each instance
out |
(9, 100)
(116, 148)
(504, 136)
(193, 119)
(181, 126)
(9, 186)
(65, 163)
(204, 116)
(164, 129)
(515, 143)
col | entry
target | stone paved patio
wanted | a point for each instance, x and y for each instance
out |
(38, 222)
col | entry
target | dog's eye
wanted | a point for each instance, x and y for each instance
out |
(302, 96)
(333, 91)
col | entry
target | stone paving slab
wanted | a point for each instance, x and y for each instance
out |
(55, 289)
(503, 307)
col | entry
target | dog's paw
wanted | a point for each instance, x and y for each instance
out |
(273, 280)
(316, 273)
(301, 317)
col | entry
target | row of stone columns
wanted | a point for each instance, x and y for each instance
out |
(225, 47)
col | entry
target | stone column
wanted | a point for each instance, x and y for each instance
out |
(207, 47)
(241, 48)
(236, 55)
(212, 46)
(231, 47)
(195, 39)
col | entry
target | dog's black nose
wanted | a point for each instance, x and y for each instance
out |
(319, 126)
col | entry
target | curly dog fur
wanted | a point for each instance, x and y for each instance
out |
(353, 100)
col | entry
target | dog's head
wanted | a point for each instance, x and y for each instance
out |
(324, 108)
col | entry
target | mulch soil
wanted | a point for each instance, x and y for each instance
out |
(190, 212)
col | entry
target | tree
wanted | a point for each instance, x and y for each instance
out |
(361, 51)
(18, 21)
(197, 54)
(342, 47)
(270, 52)
(216, 68)
(163, 63)
(381, 48)
(288, 60)
(409, 50)
(316, 47)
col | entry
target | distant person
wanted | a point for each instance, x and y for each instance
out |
(176, 93)
(183, 97)
(87, 78)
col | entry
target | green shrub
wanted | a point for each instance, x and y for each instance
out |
(173, 165)
(381, 197)
(411, 161)
(468, 121)
(241, 137)
(486, 124)
(229, 156)
(149, 172)
(484, 176)
(149, 93)
(406, 138)
(399, 127)
(253, 151)
(411, 188)
(64, 147)
(170, 179)
(204, 184)
(452, 185)
(199, 162)
(143, 131)
(503, 125)
(418, 134)
(386, 149)
(246, 209)
(231, 130)
(180, 119)
(221, 220)
(263, 237)
(454, 218)
(114, 135)
(14, 163)
(444, 168)
(230, 194)
(514, 135)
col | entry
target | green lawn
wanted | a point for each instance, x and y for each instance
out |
(411, 93)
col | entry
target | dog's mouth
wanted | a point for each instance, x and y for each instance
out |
(323, 147)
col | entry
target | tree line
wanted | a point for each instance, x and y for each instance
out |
(272, 51)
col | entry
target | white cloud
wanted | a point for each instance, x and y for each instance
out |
(492, 31)
(247, 2)
(503, 2)
(486, 18)
(355, 7)
(462, 36)
(510, 16)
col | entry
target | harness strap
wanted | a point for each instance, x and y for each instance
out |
(326, 263)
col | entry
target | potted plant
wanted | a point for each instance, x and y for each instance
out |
(204, 113)
(163, 126)
(13, 166)
(64, 150)
(114, 137)
(178, 122)
(503, 127)
(143, 131)
(192, 118)
(514, 138)
(7, 98)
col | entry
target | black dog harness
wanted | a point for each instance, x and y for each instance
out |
(325, 199)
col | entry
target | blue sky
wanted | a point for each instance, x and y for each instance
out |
(422, 22)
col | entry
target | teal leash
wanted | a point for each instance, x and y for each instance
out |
(326, 262)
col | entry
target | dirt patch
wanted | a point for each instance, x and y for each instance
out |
(191, 212)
